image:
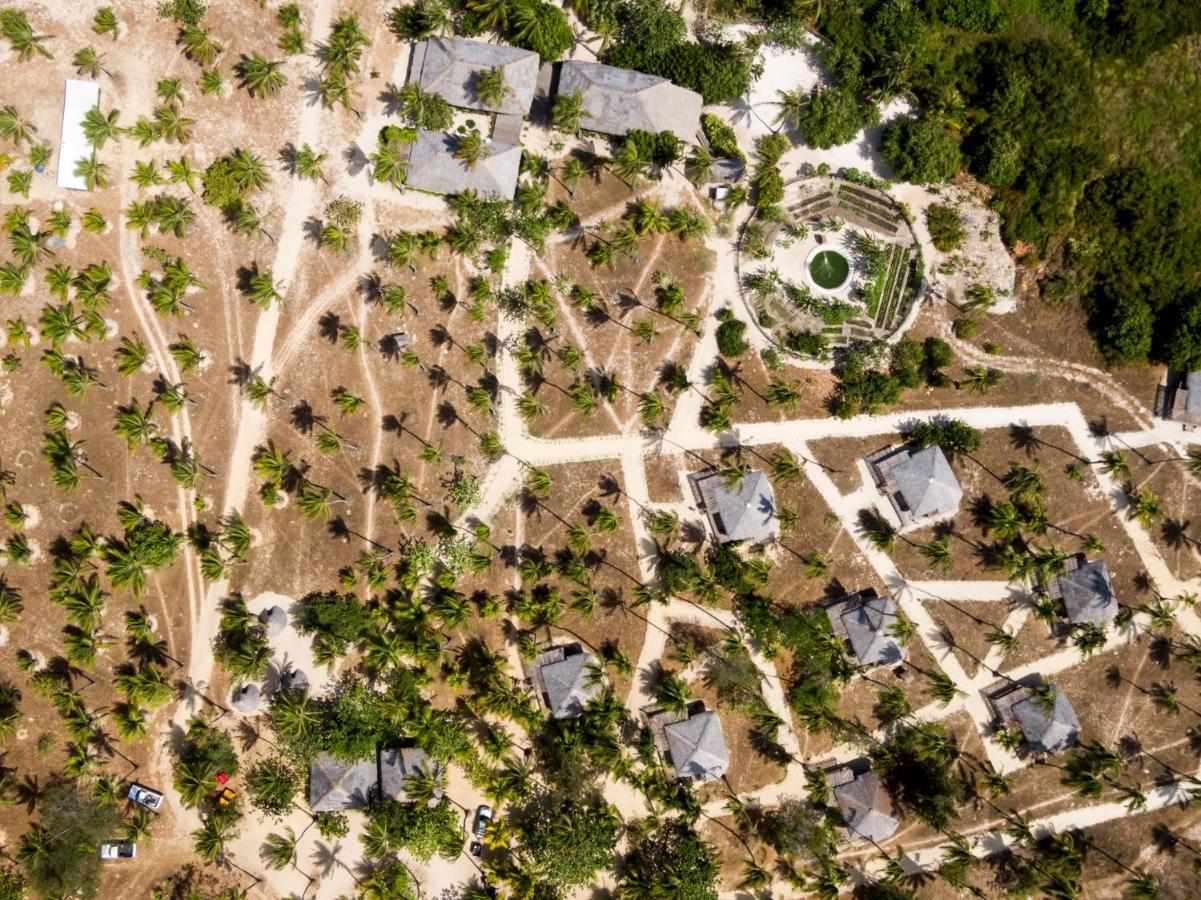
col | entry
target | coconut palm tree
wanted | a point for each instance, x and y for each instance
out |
(490, 87)
(470, 148)
(260, 76)
(793, 106)
(209, 841)
(938, 554)
(21, 36)
(88, 62)
(198, 45)
(279, 850)
(308, 163)
(105, 22)
(673, 693)
(568, 111)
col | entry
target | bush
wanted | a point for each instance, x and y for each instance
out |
(273, 785)
(723, 142)
(337, 619)
(569, 837)
(918, 770)
(921, 150)
(965, 329)
(421, 830)
(951, 435)
(836, 116)
(807, 343)
(678, 572)
(540, 27)
(675, 854)
(947, 231)
(659, 148)
(731, 340)
(332, 825)
(654, 41)
(733, 573)
(72, 826)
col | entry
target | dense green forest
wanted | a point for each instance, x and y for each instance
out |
(1081, 114)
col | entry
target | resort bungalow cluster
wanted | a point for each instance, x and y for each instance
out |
(614, 102)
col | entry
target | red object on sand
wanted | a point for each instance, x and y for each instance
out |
(222, 778)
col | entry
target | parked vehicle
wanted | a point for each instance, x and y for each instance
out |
(144, 796)
(476, 848)
(483, 818)
(226, 797)
(118, 850)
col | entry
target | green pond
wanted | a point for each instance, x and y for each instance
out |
(829, 269)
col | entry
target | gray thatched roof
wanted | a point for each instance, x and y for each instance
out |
(743, 513)
(433, 167)
(567, 685)
(1192, 399)
(1087, 593)
(618, 101)
(1047, 733)
(860, 802)
(335, 785)
(275, 619)
(866, 621)
(293, 680)
(451, 66)
(927, 484)
(396, 765)
(697, 747)
(246, 698)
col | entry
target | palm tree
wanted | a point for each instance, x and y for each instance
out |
(315, 502)
(21, 36)
(425, 785)
(470, 148)
(105, 22)
(938, 554)
(209, 841)
(493, 14)
(307, 163)
(1145, 507)
(793, 106)
(199, 46)
(698, 167)
(260, 76)
(673, 693)
(88, 62)
(490, 87)
(279, 850)
(941, 687)
(93, 172)
(568, 111)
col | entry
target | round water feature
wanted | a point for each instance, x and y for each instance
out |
(828, 269)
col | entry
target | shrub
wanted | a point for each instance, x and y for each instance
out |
(332, 825)
(540, 27)
(422, 830)
(945, 222)
(834, 117)
(921, 150)
(731, 340)
(72, 826)
(273, 785)
(965, 329)
(337, 619)
(952, 435)
(659, 148)
(806, 343)
(723, 142)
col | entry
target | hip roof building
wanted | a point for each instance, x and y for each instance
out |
(698, 747)
(1047, 727)
(451, 67)
(918, 482)
(866, 621)
(433, 167)
(745, 511)
(864, 804)
(1086, 591)
(617, 101)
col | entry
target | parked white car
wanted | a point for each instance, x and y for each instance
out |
(483, 818)
(144, 796)
(118, 850)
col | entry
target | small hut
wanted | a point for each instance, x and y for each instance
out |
(275, 619)
(246, 698)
